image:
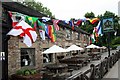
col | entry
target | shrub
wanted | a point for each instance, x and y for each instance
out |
(26, 72)
(33, 71)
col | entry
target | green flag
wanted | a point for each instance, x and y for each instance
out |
(41, 30)
(32, 21)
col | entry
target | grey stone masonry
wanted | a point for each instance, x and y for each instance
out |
(15, 44)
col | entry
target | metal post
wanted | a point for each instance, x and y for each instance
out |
(108, 44)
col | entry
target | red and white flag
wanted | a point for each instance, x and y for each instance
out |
(42, 34)
(26, 31)
(55, 23)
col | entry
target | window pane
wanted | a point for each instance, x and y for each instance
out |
(27, 57)
(47, 58)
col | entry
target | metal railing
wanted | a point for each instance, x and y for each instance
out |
(97, 72)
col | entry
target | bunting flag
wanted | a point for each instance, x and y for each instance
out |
(32, 21)
(42, 34)
(71, 23)
(14, 20)
(52, 33)
(41, 30)
(96, 32)
(45, 19)
(99, 29)
(47, 30)
(78, 23)
(55, 23)
(94, 20)
(24, 30)
(92, 38)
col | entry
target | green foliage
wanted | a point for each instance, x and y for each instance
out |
(109, 14)
(115, 46)
(20, 72)
(89, 15)
(39, 7)
(33, 71)
(26, 72)
(102, 40)
(116, 41)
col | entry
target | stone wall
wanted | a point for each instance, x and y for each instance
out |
(13, 55)
(15, 44)
(14, 59)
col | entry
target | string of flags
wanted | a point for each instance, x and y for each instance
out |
(26, 26)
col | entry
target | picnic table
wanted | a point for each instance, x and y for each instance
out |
(74, 62)
(57, 67)
(95, 55)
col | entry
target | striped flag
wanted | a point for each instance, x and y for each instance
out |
(92, 38)
(99, 29)
(52, 33)
(94, 20)
(55, 23)
(71, 23)
(47, 30)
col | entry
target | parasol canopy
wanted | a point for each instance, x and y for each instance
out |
(54, 49)
(74, 47)
(92, 46)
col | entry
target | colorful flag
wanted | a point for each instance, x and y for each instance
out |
(13, 17)
(42, 34)
(92, 38)
(79, 22)
(99, 29)
(95, 32)
(55, 23)
(47, 31)
(32, 21)
(71, 23)
(45, 19)
(94, 20)
(52, 33)
(41, 30)
(24, 30)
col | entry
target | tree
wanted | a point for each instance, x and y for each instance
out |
(109, 14)
(116, 26)
(39, 7)
(89, 15)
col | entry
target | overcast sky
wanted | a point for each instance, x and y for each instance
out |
(66, 9)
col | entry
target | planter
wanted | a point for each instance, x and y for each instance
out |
(28, 77)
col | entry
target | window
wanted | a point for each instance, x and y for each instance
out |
(68, 34)
(27, 57)
(78, 36)
(47, 57)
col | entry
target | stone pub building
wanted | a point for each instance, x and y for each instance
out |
(18, 55)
